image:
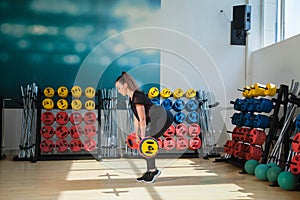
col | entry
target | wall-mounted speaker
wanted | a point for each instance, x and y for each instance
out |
(241, 24)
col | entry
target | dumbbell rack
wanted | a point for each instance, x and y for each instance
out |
(274, 126)
(173, 151)
(68, 154)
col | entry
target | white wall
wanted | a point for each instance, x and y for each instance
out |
(278, 63)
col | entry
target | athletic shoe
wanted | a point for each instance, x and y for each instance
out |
(142, 178)
(152, 176)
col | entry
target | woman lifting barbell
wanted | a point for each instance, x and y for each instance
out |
(149, 119)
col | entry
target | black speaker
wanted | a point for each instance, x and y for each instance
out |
(240, 25)
(242, 17)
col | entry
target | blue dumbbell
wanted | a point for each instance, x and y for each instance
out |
(264, 105)
(192, 117)
(178, 105)
(179, 117)
(191, 105)
(156, 101)
(261, 121)
(167, 104)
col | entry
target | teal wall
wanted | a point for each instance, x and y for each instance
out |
(46, 41)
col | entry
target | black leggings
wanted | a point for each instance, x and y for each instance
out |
(161, 120)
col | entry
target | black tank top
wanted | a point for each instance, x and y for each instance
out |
(139, 97)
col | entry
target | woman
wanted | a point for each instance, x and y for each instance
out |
(149, 119)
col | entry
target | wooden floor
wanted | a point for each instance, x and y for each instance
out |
(115, 179)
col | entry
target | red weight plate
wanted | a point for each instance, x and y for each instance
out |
(47, 118)
(194, 130)
(47, 146)
(76, 145)
(76, 131)
(181, 130)
(296, 143)
(169, 143)
(89, 130)
(62, 131)
(89, 145)
(132, 141)
(62, 118)
(90, 118)
(61, 145)
(195, 143)
(47, 131)
(170, 131)
(76, 118)
(182, 143)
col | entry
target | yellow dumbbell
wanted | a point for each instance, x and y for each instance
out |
(76, 91)
(270, 89)
(259, 89)
(178, 93)
(165, 93)
(89, 105)
(153, 92)
(76, 104)
(90, 92)
(62, 92)
(48, 104)
(49, 92)
(190, 93)
(62, 104)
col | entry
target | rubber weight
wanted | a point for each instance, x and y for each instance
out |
(179, 117)
(76, 104)
(239, 150)
(270, 90)
(148, 147)
(167, 104)
(76, 131)
(155, 101)
(160, 142)
(89, 145)
(76, 145)
(192, 117)
(62, 118)
(48, 104)
(76, 118)
(178, 105)
(195, 143)
(153, 92)
(228, 147)
(132, 141)
(62, 131)
(165, 93)
(178, 93)
(62, 104)
(61, 145)
(47, 146)
(253, 153)
(295, 164)
(47, 131)
(89, 118)
(170, 131)
(190, 93)
(90, 92)
(89, 105)
(296, 143)
(257, 137)
(89, 131)
(169, 143)
(182, 143)
(47, 118)
(62, 91)
(76, 91)
(49, 92)
(181, 130)
(191, 105)
(194, 130)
